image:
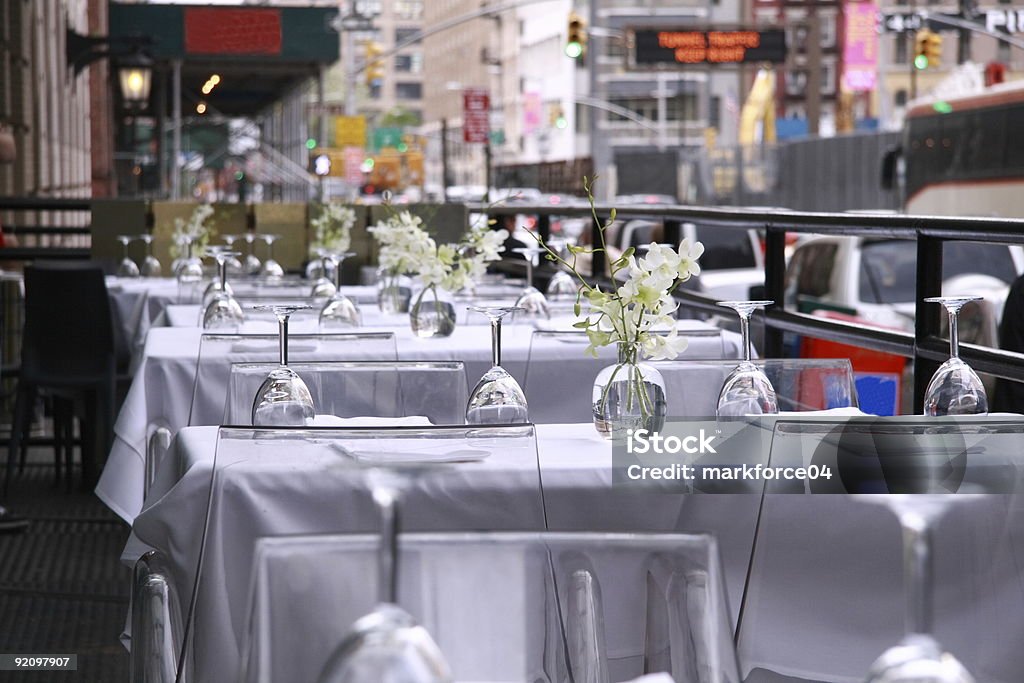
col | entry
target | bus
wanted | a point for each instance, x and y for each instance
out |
(963, 156)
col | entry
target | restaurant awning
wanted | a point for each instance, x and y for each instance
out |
(259, 53)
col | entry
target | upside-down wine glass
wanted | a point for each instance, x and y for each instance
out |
(283, 399)
(150, 264)
(234, 265)
(189, 272)
(955, 389)
(562, 285)
(532, 301)
(217, 284)
(497, 398)
(387, 644)
(272, 270)
(127, 268)
(918, 658)
(746, 390)
(223, 311)
(339, 310)
(323, 287)
(252, 262)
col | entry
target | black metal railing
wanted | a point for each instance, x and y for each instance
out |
(35, 230)
(924, 347)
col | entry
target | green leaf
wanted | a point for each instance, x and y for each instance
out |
(612, 214)
(576, 307)
(581, 325)
(629, 252)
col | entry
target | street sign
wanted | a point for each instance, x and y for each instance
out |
(349, 131)
(1010, 20)
(476, 106)
(354, 157)
(860, 49)
(387, 136)
(652, 47)
(898, 22)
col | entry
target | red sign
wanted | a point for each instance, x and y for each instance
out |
(476, 110)
(224, 31)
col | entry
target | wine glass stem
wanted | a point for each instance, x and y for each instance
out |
(337, 275)
(282, 338)
(387, 509)
(222, 266)
(529, 270)
(745, 335)
(496, 341)
(954, 334)
(917, 572)
(270, 250)
(124, 251)
(149, 247)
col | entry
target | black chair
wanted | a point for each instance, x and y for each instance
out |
(69, 354)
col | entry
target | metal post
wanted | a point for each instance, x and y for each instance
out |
(774, 286)
(350, 73)
(161, 131)
(910, 50)
(600, 152)
(488, 163)
(662, 94)
(176, 129)
(445, 178)
(926, 316)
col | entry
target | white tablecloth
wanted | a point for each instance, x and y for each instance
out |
(824, 600)
(161, 391)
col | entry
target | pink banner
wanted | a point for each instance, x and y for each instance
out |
(860, 47)
(532, 108)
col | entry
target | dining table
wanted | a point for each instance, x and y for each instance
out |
(819, 578)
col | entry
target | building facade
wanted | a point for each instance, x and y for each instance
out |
(45, 105)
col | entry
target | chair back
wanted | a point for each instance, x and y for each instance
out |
(68, 338)
(503, 606)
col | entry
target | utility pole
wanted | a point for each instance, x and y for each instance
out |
(813, 73)
(176, 130)
(913, 66)
(662, 94)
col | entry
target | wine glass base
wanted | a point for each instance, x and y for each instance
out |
(917, 659)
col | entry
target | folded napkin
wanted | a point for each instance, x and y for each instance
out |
(831, 412)
(365, 421)
(653, 678)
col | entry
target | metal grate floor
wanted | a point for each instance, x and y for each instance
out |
(62, 587)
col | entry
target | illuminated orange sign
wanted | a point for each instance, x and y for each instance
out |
(652, 46)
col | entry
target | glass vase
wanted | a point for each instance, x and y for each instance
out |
(394, 292)
(628, 395)
(432, 314)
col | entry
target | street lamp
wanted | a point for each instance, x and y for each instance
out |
(134, 73)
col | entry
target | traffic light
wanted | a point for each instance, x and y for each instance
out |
(374, 68)
(933, 49)
(927, 49)
(576, 37)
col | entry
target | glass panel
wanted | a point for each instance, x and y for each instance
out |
(503, 607)
(218, 351)
(692, 387)
(570, 401)
(436, 391)
(825, 594)
(273, 482)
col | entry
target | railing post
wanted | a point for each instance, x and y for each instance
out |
(544, 226)
(774, 286)
(926, 316)
(673, 231)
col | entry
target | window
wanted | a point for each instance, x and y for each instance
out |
(404, 34)
(409, 91)
(368, 8)
(375, 90)
(827, 24)
(900, 53)
(810, 272)
(900, 99)
(682, 107)
(408, 9)
(725, 248)
(409, 63)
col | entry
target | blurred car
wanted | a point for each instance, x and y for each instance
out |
(876, 279)
(732, 262)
